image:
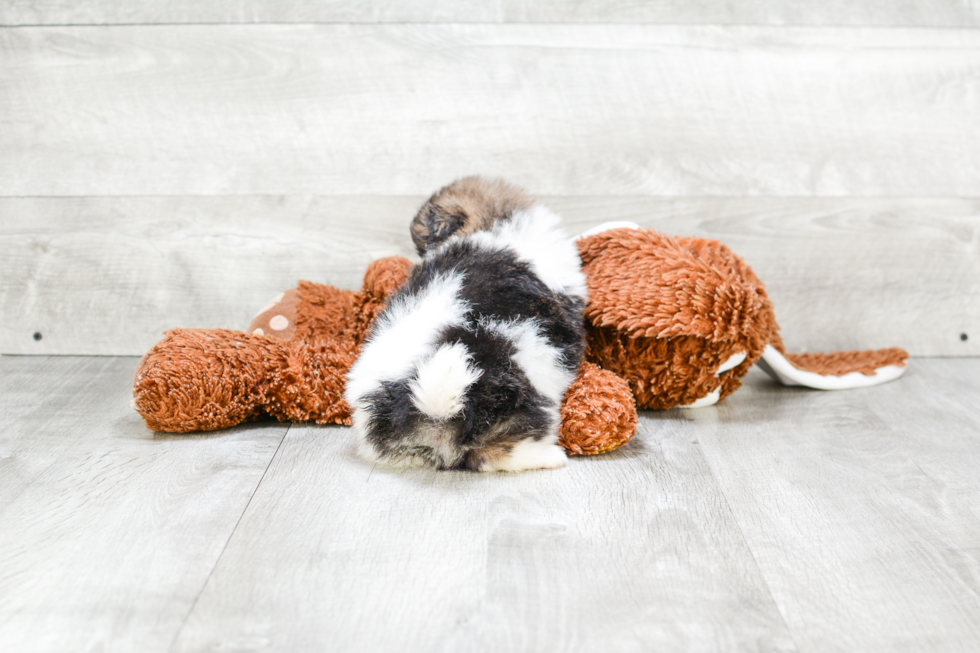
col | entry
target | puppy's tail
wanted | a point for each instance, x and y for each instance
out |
(441, 381)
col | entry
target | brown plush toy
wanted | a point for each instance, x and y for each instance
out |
(671, 322)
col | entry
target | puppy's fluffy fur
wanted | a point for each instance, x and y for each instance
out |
(467, 366)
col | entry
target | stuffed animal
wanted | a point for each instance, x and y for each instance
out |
(670, 322)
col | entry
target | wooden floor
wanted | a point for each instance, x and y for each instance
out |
(783, 519)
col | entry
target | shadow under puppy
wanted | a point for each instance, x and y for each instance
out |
(467, 366)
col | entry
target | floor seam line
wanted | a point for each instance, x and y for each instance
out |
(224, 548)
(748, 547)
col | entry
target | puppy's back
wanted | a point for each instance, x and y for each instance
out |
(467, 366)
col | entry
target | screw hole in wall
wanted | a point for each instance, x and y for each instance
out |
(37, 335)
(964, 337)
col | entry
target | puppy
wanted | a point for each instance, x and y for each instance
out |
(467, 365)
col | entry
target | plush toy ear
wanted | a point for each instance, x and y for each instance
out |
(840, 370)
(644, 283)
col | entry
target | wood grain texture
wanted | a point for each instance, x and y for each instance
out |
(109, 275)
(946, 13)
(108, 532)
(783, 519)
(860, 507)
(564, 109)
(632, 551)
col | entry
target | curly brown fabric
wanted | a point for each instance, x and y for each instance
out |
(644, 283)
(207, 379)
(666, 312)
(840, 363)
(598, 414)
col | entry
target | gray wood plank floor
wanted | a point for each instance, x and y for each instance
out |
(782, 519)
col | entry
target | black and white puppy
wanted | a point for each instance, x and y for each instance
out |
(467, 365)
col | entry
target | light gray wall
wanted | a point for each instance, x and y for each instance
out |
(178, 163)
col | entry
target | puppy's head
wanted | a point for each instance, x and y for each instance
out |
(463, 207)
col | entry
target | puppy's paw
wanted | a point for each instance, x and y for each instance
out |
(530, 454)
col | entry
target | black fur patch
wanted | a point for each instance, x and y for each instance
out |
(500, 286)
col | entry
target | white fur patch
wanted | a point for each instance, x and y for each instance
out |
(403, 334)
(442, 381)
(530, 454)
(540, 361)
(536, 237)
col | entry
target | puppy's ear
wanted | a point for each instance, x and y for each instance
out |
(465, 206)
(434, 224)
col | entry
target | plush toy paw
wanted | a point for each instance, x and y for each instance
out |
(598, 414)
(205, 379)
(290, 364)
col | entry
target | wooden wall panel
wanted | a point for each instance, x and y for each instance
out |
(888, 13)
(563, 109)
(108, 275)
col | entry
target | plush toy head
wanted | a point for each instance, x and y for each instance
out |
(666, 313)
(291, 363)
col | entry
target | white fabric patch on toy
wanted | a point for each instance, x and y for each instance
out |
(712, 398)
(775, 365)
(731, 363)
(608, 226)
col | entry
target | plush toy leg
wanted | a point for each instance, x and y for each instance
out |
(598, 414)
(835, 371)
